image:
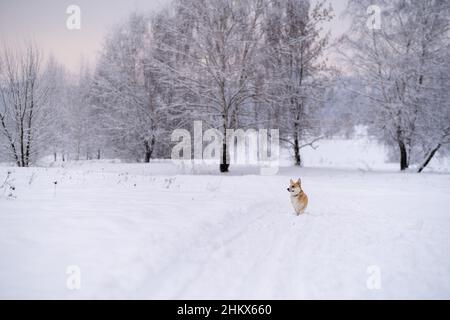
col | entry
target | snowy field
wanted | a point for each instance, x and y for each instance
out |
(153, 232)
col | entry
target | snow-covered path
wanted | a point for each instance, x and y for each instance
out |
(141, 231)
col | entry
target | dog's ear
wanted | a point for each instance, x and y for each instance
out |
(299, 181)
(292, 181)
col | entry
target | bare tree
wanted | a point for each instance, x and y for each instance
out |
(23, 94)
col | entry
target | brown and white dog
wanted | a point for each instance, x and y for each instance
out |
(299, 199)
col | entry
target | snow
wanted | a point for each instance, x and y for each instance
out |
(152, 232)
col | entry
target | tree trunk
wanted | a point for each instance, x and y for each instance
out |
(429, 158)
(22, 146)
(99, 154)
(298, 159)
(11, 142)
(225, 161)
(148, 149)
(78, 151)
(148, 153)
(403, 156)
(224, 164)
(29, 131)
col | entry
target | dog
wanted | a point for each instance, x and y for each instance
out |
(299, 199)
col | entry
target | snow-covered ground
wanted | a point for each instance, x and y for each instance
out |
(151, 232)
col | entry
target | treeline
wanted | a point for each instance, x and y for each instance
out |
(235, 65)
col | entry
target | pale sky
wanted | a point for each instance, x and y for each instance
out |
(44, 21)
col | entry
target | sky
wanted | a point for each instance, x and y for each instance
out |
(44, 21)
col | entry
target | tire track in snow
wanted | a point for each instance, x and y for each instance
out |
(244, 264)
(179, 274)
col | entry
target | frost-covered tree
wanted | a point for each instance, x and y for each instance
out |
(125, 91)
(57, 131)
(24, 92)
(86, 139)
(216, 54)
(295, 68)
(73, 124)
(402, 67)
